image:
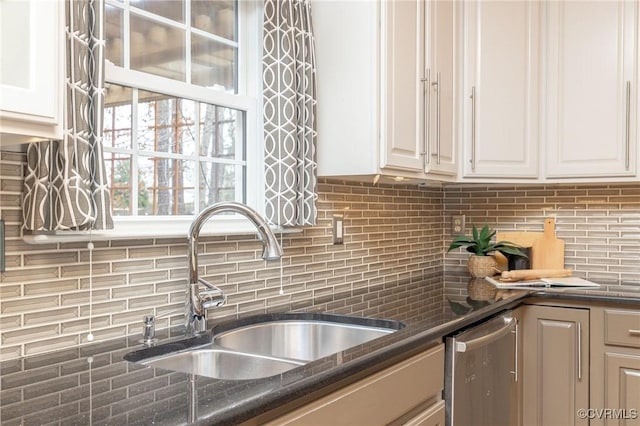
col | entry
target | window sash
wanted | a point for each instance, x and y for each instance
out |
(247, 170)
(128, 10)
(249, 81)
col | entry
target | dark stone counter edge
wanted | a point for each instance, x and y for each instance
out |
(319, 384)
(567, 295)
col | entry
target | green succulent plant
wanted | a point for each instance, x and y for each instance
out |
(480, 243)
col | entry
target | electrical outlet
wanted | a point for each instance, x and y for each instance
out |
(338, 229)
(457, 224)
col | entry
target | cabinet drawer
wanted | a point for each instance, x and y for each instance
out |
(622, 328)
(378, 399)
(433, 416)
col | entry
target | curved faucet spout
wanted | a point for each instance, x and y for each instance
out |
(271, 250)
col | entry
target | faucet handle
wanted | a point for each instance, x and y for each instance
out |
(149, 327)
(212, 298)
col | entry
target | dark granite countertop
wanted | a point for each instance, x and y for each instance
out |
(94, 385)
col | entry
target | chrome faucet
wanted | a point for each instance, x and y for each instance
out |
(199, 300)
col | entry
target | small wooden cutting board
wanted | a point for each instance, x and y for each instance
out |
(521, 238)
(548, 252)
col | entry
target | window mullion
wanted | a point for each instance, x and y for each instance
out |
(157, 84)
(126, 38)
(134, 157)
(187, 46)
(196, 160)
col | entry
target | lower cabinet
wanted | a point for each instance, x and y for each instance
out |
(577, 364)
(555, 365)
(622, 388)
(432, 416)
(615, 370)
(408, 393)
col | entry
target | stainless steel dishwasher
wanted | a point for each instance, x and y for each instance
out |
(481, 374)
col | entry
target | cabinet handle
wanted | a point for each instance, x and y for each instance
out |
(627, 124)
(579, 351)
(473, 128)
(427, 115)
(437, 86)
(515, 361)
(635, 333)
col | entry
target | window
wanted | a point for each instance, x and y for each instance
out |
(180, 127)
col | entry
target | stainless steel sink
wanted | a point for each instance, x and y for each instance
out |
(305, 340)
(264, 345)
(223, 364)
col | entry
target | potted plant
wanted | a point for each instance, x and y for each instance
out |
(481, 262)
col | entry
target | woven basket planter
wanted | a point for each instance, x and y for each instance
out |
(481, 266)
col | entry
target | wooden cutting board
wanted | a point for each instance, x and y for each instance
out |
(522, 238)
(548, 251)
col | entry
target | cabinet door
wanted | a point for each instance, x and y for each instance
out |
(556, 365)
(441, 87)
(31, 70)
(402, 99)
(622, 391)
(346, 41)
(516, 400)
(501, 89)
(377, 399)
(592, 88)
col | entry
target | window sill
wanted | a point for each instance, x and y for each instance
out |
(128, 228)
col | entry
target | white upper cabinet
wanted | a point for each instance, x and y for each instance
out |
(386, 87)
(442, 86)
(346, 37)
(479, 90)
(402, 85)
(591, 97)
(501, 89)
(31, 83)
(371, 94)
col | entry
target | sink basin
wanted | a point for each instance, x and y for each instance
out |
(305, 340)
(223, 364)
(263, 345)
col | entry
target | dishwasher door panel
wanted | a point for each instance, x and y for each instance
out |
(480, 370)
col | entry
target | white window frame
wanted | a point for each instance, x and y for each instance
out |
(249, 82)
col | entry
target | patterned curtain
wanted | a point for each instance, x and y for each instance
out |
(289, 99)
(65, 182)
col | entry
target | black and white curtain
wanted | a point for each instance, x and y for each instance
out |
(289, 100)
(65, 182)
